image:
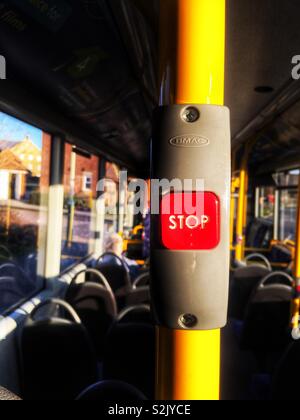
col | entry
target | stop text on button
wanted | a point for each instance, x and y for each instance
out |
(191, 222)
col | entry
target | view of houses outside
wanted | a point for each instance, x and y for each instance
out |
(20, 167)
(80, 184)
(23, 218)
(25, 153)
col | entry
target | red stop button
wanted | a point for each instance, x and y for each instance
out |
(190, 221)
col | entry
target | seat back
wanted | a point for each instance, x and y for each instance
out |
(259, 233)
(130, 356)
(97, 309)
(112, 391)
(285, 383)
(268, 315)
(244, 283)
(22, 280)
(57, 358)
(15, 284)
(139, 296)
(115, 271)
(94, 276)
(142, 280)
(135, 314)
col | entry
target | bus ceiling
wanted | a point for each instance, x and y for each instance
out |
(92, 74)
(277, 145)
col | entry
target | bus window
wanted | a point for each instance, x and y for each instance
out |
(287, 179)
(24, 183)
(287, 183)
(267, 203)
(80, 183)
(288, 212)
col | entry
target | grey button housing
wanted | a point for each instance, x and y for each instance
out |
(192, 283)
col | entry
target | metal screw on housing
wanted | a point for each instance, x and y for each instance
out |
(188, 321)
(191, 114)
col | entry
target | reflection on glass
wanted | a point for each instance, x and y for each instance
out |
(80, 184)
(288, 213)
(287, 179)
(267, 203)
(24, 151)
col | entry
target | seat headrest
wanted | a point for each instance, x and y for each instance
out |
(134, 314)
(138, 296)
(251, 271)
(273, 293)
(112, 391)
(79, 293)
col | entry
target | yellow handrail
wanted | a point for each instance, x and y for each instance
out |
(188, 362)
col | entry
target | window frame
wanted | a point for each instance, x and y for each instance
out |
(79, 178)
(261, 194)
(22, 302)
(280, 191)
(85, 177)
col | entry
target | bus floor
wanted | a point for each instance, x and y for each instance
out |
(237, 368)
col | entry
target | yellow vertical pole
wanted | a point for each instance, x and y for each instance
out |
(243, 203)
(242, 209)
(296, 301)
(232, 211)
(188, 362)
(297, 255)
(234, 185)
